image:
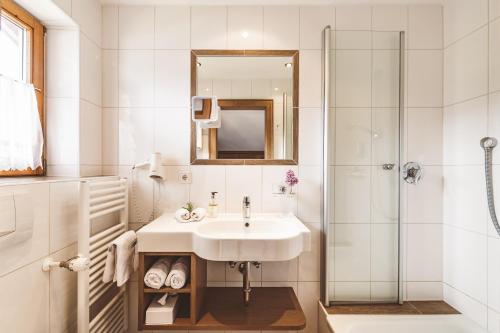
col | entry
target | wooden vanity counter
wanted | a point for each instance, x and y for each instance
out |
(219, 308)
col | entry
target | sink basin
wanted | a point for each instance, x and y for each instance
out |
(269, 237)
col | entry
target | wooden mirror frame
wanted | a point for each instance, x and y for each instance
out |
(294, 54)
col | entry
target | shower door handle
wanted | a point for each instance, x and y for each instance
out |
(412, 172)
(388, 166)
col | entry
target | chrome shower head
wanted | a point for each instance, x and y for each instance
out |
(488, 142)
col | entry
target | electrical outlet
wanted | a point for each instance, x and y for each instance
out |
(185, 177)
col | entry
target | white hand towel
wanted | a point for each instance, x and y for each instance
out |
(109, 269)
(179, 273)
(163, 300)
(182, 215)
(125, 253)
(155, 276)
(198, 214)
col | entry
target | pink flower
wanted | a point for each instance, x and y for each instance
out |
(291, 179)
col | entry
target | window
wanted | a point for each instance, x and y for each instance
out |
(21, 65)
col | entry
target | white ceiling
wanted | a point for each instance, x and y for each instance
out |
(268, 2)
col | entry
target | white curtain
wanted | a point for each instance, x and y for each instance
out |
(21, 137)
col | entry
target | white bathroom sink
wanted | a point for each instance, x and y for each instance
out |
(269, 237)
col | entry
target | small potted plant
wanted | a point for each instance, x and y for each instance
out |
(291, 180)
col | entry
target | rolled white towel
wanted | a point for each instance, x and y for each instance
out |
(179, 273)
(182, 215)
(198, 214)
(155, 276)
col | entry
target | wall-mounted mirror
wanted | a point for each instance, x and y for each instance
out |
(244, 107)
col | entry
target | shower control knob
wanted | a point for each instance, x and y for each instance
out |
(412, 172)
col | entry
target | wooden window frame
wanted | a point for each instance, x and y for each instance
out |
(35, 73)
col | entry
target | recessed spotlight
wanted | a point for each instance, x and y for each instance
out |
(288, 65)
(276, 89)
(198, 64)
(244, 34)
(207, 89)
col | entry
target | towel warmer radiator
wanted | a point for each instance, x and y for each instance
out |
(102, 307)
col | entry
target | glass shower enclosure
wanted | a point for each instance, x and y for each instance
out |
(363, 114)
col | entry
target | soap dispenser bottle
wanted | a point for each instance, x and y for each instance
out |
(213, 206)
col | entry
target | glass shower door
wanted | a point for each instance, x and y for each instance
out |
(361, 168)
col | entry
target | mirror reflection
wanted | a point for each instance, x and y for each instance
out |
(244, 108)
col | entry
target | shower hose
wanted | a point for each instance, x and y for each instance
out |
(488, 144)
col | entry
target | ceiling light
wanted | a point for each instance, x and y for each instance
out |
(198, 64)
(244, 34)
(288, 65)
(276, 89)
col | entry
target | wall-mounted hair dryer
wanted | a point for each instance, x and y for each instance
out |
(154, 163)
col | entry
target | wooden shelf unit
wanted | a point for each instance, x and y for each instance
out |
(219, 308)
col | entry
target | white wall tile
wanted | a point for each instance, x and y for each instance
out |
(170, 194)
(245, 27)
(424, 291)
(464, 125)
(63, 293)
(494, 9)
(90, 71)
(135, 68)
(62, 131)
(352, 252)
(309, 262)
(25, 292)
(61, 67)
(87, 13)
(466, 68)
(136, 135)
(494, 118)
(425, 148)
(384, 135)
(353, 136)
(109, 27)
(425, 201)
(353, 17)
(172, 78)
(110, 136)
(216, 271)
(208, 179)
(384, 195)
(172, 27)
(425, 82)
(141, 190)
(390, 18)
(352, 194)
(280, 271)
(308, 294)
(425, 27)
(172, 135)
(353, 40)
(277, 203)
(465, 249)
(353, 78)
(311, 122)
(465, 304)
(313, 19)
(110, 78)
(462, 17)
(241, 88)
(63, 215)
(309, 194)
(281, 27)
(494, 47)
(208, 27)
(384, 252)
(136, 27)
(352, 291)
(425, 263)
(243, 181)
(385, 80)
(310, 79)
(493, 273)
(384, 291)
(90, 134)
(464, 203)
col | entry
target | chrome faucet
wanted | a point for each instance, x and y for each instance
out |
(246, 207)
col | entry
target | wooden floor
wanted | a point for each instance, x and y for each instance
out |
(270, 309)
(407, 308)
